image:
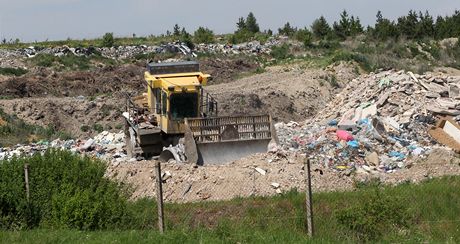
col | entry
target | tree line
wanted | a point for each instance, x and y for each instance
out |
(413, 26)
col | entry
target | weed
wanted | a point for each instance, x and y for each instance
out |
(12, 71)
(280, 52)
(98, 128)
(85, 128)
(370, 219)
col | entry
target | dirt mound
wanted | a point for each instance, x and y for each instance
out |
(226, 70)
(78, 116)
(44, 82)
(288, 93)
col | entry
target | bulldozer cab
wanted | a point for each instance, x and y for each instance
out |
(175, 93)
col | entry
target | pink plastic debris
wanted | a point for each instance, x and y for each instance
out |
(344, 135)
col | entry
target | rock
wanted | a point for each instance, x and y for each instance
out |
(275, 185)
(87, 145)
(372, 159)
(369, 111)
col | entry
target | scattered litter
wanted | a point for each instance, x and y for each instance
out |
(261, 171)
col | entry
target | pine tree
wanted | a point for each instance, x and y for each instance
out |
(320, 28)
(407, 25)
(176, 30)
(384, 28)
(241, 24)
(287, 30)
(251, 23)
(425, 26)
(186, 38)
(355, 26)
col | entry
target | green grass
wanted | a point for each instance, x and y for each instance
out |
(69, 61)
(434, 208)
(12, 71)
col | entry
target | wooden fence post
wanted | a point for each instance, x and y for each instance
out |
(26, 177)
(159, 191)
(308, 199)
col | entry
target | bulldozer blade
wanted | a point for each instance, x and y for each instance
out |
(228, 151)
(218, 140)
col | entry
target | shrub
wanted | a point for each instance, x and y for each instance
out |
(85, 128)
(374, 216)
(241, 36)
(66, 191)
(108, 40)
(280, 52)
(203, 35)
(44, 59)
(68, 61)
(97, 127)
(12, 71)
(351, 56)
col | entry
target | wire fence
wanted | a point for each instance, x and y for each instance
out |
(255, 197)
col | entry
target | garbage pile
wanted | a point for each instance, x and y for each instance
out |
(253, 47)
(7, 56)
(106, 146)
(377, 123)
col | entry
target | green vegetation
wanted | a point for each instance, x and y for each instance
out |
(66, 191)
(281, 52)
(98, 128)
(246, 29)
(85, 128)
(15, 131)
(69, 61)
(108, 40)
(203, 35)
(69, 193)
(12, 71)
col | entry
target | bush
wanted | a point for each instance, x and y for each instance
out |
(280, 52)
(373, 217)
(44, 60)
(97, 127)
(65, 62)
(66, 191)
(241, 36)
(203, 35)
(12, 71)
(304, 36)
(351, 56)
(108, 40)
(85, 128)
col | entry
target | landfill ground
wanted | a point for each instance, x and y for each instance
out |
(312, 107)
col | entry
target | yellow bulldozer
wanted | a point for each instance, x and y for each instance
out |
(177, 119)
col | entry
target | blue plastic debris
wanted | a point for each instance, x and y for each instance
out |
(332, 122)
(353, 144)
(395, 154)
(364, 121)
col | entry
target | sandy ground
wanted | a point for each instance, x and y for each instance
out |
(185, 183)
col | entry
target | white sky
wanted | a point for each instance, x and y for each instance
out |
(31, 20)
